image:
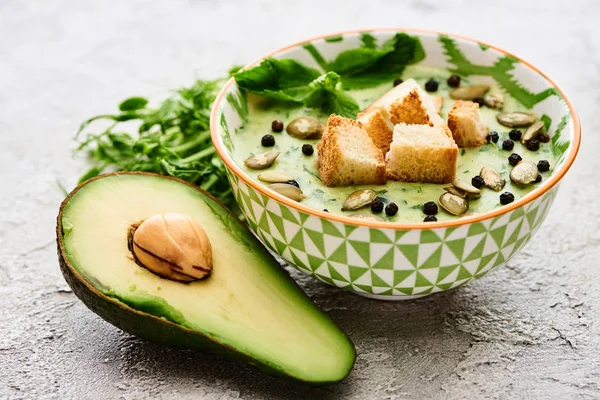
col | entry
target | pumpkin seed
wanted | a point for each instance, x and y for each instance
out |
(492, 179)
(358, 199)
(532, 131)
(367, 216)
(494, 100)
(289, 191)
(516, 119)
(465, 187)
(306, 128)
(438, 102)
(524, 172)
(456, 192)
(469, 92)
(273, 176)
(262, 160)
(453, 204)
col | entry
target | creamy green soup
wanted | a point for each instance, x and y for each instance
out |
(408, 196)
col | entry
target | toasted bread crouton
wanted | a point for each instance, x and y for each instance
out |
(421, 153)
(466, 124)
(438, 103)
(409, 110)
(414, 107)
(395, 93)
(347, 155)
(379, 127)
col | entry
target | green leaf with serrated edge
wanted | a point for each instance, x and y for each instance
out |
(325, 95)
(274, 75)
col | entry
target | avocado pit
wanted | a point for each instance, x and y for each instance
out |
(173, 246)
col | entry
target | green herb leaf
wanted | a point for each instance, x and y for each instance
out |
(133, 103)
(326, 96)
(368, 40)
(273, 75)
(393, 56)
(173, 139)
(287, 80)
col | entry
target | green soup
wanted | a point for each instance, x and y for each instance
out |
(408, 196)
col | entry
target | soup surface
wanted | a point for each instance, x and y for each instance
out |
(408, 196)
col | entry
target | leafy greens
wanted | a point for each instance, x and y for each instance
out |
(365, 66)
(173, 139)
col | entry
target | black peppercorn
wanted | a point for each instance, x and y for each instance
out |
(515, 134)
(326, 210)
(431, 86)
(430, 208)
(397, 81)
(493, 137)
(508, 145)
(293, 183)
(430, 218)
(538, 179)
(543, 165)
(277, 126)
(543, 137)
(477, 181)
(391, 209)
(533, 145)
(507, 197)
(454, 81)
(514, 159)
(268, 141)
(479, 101)
(307, 149)
(377, 205)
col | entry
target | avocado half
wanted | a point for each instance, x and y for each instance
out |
(249, 308)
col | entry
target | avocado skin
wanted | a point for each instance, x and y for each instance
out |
(149, 327)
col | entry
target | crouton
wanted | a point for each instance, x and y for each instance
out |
(421, 153)
(379, 127)
(467, 126)
(397, 92)
(347, 155)
(408, 103)
(438, 103)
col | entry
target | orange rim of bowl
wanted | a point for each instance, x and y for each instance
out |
(547, 185)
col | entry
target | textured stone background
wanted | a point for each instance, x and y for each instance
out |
(529, 330)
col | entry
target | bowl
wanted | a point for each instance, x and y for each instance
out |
(396, 261)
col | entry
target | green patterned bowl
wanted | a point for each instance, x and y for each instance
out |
(396, 261)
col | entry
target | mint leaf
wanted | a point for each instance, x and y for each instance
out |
(352, 62)
(366, 66)
(327, 96)
(288, 80)
(368, 40)
(275, 75)
(393, 56)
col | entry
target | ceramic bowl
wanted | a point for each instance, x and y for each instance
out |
(398, 261)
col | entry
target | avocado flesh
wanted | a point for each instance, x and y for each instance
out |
(248, 305)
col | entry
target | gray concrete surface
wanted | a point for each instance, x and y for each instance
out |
(529, 330)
